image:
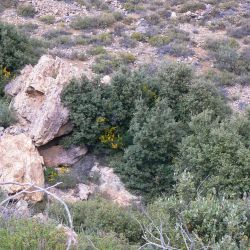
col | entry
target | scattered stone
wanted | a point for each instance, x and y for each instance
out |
(173, 15)
(22, 208)
(85, 191)
(106, 80)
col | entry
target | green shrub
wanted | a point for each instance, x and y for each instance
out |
(217, 223)
(97, 216)
(214, 153)
(105, 64)
(153, 19)
(99, 4)
(138, 37)
(102, 39)
(26, 10)
(5, 4)
(159, 40)
(48, 19)
(227, 56)
(146, 167)
(96, 109)
(27, 28)
(103, 242)
(176, 49)
(7, 117)
(96, 50)
(213, 45)
(69, 178)
(29, 234)
(192, 6)
(103, 21)
(223, 78)
(15, 50)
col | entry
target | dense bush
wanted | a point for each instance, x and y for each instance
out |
(216, 155)
(103, 242)
(217, 223)
(107, 63)
(144, 115)
(240, 32)
(103, 21)
(26, 10)
(176, 49)
(29, 234)
(228, 57)
(192, 6)
(147, 165)
(100, 216)
(16, 51)
(48, 19)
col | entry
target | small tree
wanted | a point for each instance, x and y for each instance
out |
(146, 166)
(215, 154)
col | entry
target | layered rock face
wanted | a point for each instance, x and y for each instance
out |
(41, 117)
(20, 162)
(36, 98)
(57, 156)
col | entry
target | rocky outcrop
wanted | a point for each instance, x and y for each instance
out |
(20, 162)
(56, 156)
(112, 188)
(36, 98)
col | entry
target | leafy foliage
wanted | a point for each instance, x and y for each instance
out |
(155, 130)
(16, 51)
(29, 234)
(145, 114)
(219, 223)
(215, 154)
(100, 216)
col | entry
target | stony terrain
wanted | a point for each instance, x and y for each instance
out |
(193, 25)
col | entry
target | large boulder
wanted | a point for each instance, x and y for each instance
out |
(20, 162)
(36, 98)
(56, 156)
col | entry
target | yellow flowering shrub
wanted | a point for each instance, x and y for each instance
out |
(5, 73)
(5, 76)
(101, 119)
(111, 138)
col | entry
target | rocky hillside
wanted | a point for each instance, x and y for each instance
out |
(129, 101)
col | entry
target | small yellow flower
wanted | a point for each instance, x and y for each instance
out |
(63, 170)
(101, 119)
(114, 145)
(6, 73)
(111, 138)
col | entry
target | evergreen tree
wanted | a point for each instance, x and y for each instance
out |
(215, 154)
(147, 165)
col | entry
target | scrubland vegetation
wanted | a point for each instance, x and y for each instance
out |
(167, 130)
